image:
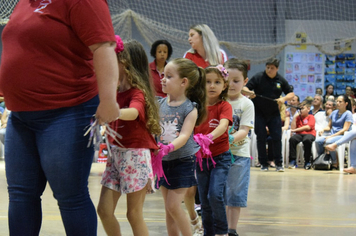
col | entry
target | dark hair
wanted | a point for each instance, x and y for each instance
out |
(273, 61)
(213, 69)
(347, 99)
(326, 88)
(135, 61)
(297, 97)
(196, 91)
(158, 42)
(240, 65)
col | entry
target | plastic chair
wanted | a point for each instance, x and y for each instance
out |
(285, 146)
(253, 147)
(341, 155)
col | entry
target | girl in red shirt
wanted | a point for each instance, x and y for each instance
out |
(212, 172)
(129, 168)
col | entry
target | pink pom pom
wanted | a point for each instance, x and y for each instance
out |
(119, 44)
(204, 142)
(157, 161)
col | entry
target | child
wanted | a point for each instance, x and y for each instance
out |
(182, 109)
(304, 128)
(243, 119)
(212, 177)
(129, 169)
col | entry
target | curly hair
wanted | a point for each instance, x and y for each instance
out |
(158, 42)
(135, 62)
(213, 69)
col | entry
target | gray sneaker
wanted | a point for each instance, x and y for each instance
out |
(279, 168)
(264, 168)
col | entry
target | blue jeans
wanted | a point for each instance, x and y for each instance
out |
(49, 146)
(274, 125)
(319, 144)
(211, 186)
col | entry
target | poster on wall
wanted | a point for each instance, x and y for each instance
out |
(340, 71)
(304, 71)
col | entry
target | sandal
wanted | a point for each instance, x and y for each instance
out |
(197, 227)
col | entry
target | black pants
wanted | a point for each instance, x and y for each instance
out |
(307, 140)
(274, 125)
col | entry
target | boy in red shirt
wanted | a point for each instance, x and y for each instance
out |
(304, 128)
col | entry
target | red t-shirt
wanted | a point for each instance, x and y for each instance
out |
(309, 120)
(156, 77)
(46, 62)
(199, 61)
(221, 110)
(134, 132)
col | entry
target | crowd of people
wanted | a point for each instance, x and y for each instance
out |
(186, 120)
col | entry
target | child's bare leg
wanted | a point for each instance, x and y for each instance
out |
(189, 200)
(134, 212)
(176, 218)
(106, 208)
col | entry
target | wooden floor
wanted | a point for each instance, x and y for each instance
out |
(296, 202)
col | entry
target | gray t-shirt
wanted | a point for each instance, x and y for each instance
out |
(171, 121)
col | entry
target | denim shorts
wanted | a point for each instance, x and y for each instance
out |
(179, 173)
(237, 183)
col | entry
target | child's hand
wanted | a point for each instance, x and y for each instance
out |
(231, 139)
(165, 149)
(149, 187)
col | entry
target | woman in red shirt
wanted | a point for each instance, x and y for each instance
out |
(205, 49)
(161, 51)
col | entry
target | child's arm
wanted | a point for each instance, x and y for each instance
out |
(128, 114)
(303, 128)
(221, 129)
(241, 133)
(187, 129)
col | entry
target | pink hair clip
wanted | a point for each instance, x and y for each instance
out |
(119, 44)
(223, 71)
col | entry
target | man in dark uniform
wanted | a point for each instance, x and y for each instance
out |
(269, 84)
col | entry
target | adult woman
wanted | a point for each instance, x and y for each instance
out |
(161, 50)
(340, 122)
(329, 91)
(51, 49)
(205, 49)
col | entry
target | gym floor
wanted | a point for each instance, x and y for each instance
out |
(296, 202)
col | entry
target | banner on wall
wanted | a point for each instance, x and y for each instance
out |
(304, 71)
(340, 71)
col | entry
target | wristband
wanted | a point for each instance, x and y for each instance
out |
(170, 147)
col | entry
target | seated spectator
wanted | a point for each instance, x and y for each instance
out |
(319, 91)
(340, 122)
(304, 128)
(329, 91)
(291, 112)
(161, 51)
(4, 118)
(349, 92)
(317, 104)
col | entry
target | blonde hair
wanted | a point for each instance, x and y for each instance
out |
(210, 44)
(135, 62)
(196, 91)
